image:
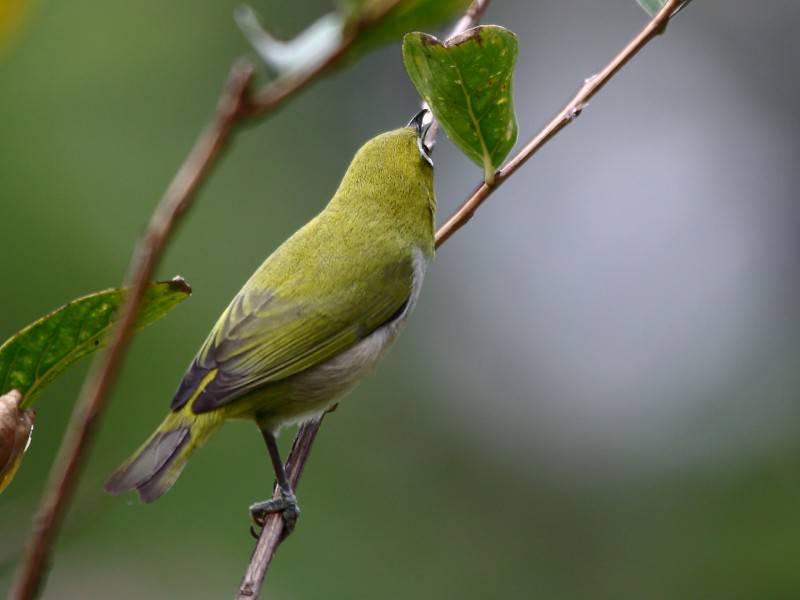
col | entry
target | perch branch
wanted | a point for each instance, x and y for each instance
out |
(272, 532)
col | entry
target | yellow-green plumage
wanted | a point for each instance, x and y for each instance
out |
(313, 319)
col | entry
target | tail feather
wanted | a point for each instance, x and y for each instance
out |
(153, 469)
(166, 475)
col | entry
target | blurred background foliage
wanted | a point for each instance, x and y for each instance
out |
(11, 16)
(597, 397)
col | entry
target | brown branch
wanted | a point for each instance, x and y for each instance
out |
(272, 532)
(236, 105)
(176, 200)
(567, 115)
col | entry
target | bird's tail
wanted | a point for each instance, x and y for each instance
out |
(157, 464)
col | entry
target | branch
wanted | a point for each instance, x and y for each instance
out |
(272, 532)
(173, 206)
(568, 114)
(236, 105)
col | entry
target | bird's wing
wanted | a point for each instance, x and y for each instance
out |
(263, 337)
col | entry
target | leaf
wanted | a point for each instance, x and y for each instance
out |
(303, 53)
(651, 7)
(367, 20)
(16, 426)
(466, 81)
(35, 356)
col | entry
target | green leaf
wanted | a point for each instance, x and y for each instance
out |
(303, 53)
(367, 20)
(35, 356)
(466, 81)
(409, 15)
(651, 7)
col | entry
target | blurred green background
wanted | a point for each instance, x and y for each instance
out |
(598, 395)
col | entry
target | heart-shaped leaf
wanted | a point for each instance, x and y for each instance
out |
(32, 358)
(466, 81)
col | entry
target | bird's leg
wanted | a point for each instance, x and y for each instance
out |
(287, 503)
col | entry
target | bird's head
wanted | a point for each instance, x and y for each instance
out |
(393, 174)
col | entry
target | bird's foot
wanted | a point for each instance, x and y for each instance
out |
(286, 505)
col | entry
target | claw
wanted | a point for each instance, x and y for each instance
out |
(286, 505)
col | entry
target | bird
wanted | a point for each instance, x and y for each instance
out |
(310, 323)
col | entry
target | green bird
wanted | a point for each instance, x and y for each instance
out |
(311, 322)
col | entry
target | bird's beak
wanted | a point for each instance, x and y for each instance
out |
(418, 123)
(418, 120)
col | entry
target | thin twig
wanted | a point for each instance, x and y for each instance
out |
(471, 17)
(567, 115)
(272, 532)
(236, 105)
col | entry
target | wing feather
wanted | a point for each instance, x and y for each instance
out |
(264, 337)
